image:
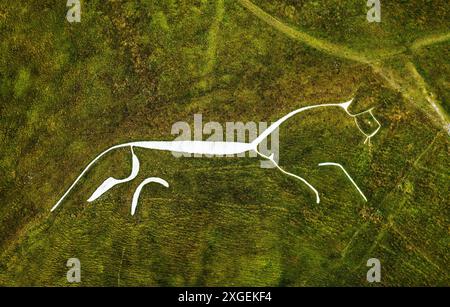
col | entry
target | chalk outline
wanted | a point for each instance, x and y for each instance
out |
(209, 147)
(346, 173)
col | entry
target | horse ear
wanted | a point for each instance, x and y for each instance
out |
(345, 105)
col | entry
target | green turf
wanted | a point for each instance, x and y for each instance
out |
(131, 69)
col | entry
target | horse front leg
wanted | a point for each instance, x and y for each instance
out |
(270, 158)
(347, 174)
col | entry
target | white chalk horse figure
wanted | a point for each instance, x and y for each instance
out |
(212, 148)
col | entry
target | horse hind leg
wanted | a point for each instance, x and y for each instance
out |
(111, 182)
(137, 192)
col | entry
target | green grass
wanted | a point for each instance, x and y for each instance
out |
(130, 70)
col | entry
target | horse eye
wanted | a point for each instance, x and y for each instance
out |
(367, 123)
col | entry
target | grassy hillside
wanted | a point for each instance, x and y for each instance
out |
(131, 69)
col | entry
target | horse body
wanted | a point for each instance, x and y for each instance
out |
(197, 147)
